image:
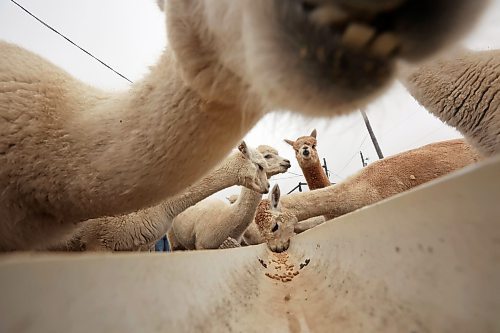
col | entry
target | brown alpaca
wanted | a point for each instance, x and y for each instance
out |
(309, 161)
(275, 226)
(382, 179)
(463, 90)
(70, 152)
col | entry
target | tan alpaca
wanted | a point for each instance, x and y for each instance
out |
(275, 226)
(70, 152)
(382, 179)
(463, 90)
(210, 222)
(309, 161)
(140, 230)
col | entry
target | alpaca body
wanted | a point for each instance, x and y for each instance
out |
(463, 90)
(210, 222)
(140, 229)
(69, 152)
(382, 179)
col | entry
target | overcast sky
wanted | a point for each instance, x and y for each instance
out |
(129, 35)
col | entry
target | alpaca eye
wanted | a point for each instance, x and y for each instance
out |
(314, 146)
(268, 156)
(275, 228)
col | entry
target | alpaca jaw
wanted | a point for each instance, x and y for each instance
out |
(316, 55)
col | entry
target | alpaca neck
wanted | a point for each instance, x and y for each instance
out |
(222, 177)
(139, 147)
(332, 201)
(315, 176)
(242, 212)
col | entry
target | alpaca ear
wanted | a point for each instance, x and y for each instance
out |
(274, 196)
(161, 4)
(244, 149)
(290, 142)
(313, 133)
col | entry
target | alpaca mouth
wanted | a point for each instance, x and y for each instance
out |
(280, 247)
(353, 44)
(285, 167)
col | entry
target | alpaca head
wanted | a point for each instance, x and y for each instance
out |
(275, 226)
(275, 163)
(305, 149)
(252, 169)
(314, 55)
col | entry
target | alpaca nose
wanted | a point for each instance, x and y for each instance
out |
(344, 34)
(305, 152)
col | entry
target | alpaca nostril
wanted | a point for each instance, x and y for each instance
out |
(287, 161)
(308, 6)
(305, 152)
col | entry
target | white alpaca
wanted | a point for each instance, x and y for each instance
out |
(382, 179)
(210, 222)
(139, 230)
(70, 152)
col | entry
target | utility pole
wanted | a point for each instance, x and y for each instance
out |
(363, 159)
(326, 168)
(372, 135)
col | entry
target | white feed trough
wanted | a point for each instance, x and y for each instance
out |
(424, 261)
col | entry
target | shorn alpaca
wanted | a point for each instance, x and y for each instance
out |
(210, 222)
(139, 230)
(70, 152)
(463, 90)
(382, 179)
(308, 158)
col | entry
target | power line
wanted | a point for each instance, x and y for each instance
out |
(287, 177)
(356, 153)
(69, 40)
(435, 130)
